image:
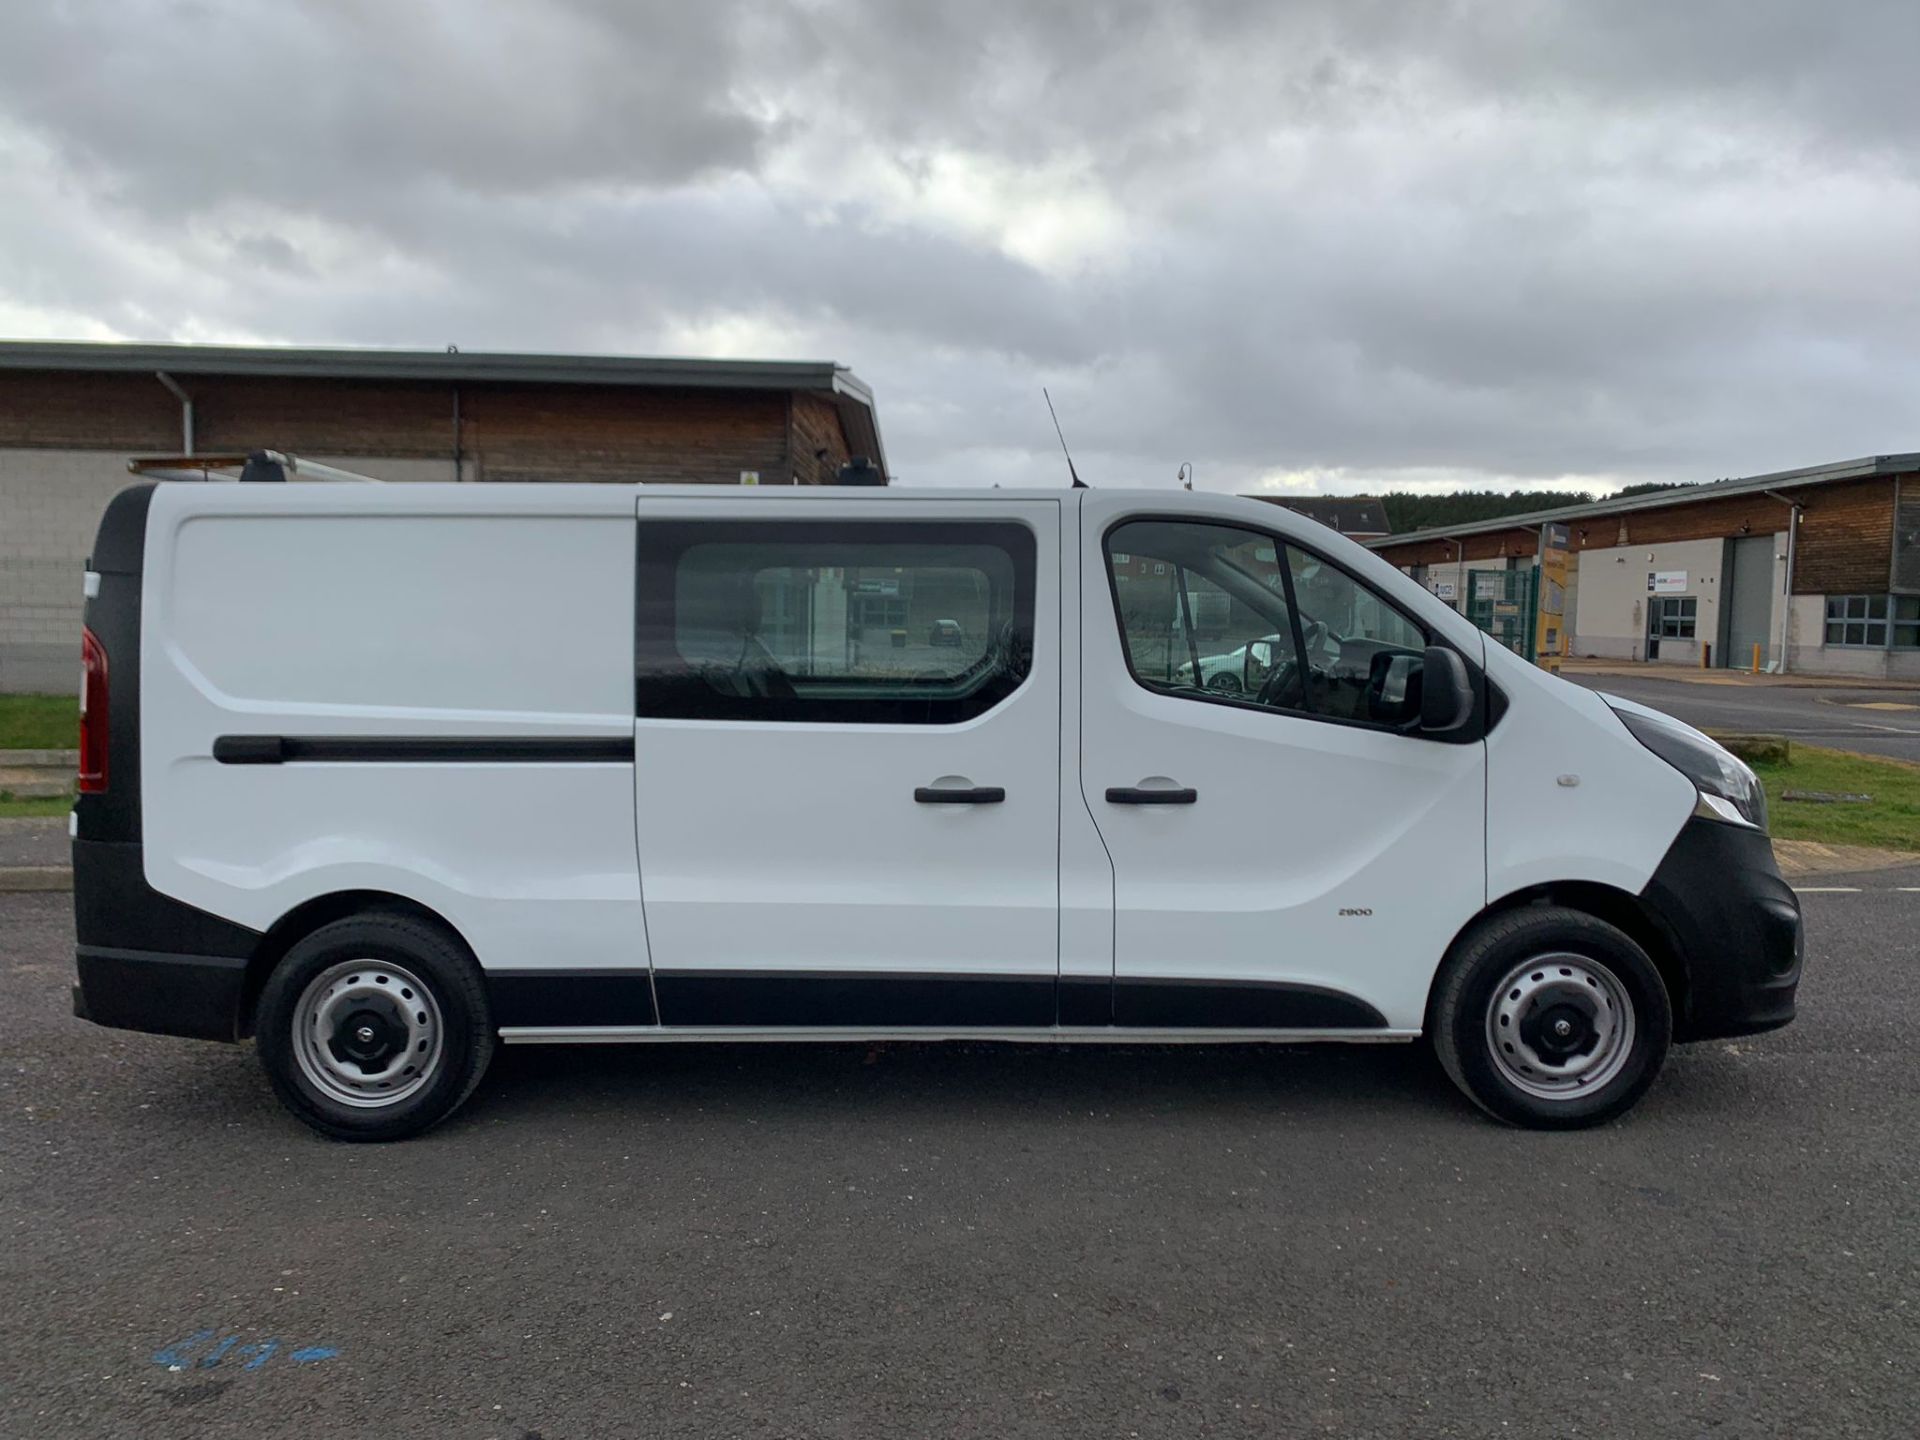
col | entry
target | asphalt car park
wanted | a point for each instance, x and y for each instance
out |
(970, 1240)
(1840, 717)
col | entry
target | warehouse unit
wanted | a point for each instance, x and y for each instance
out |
(71, 416)
(1814, 570)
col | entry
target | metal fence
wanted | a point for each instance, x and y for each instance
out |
(1504, 603)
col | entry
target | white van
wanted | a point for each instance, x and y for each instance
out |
(381, 775)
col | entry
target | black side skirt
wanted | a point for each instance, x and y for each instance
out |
(865, 1000)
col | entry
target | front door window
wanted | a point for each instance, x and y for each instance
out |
(1219, 613)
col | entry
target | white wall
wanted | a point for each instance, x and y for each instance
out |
(50, 505)
(1612, 618)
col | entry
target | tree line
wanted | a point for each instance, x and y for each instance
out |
(1409, 511)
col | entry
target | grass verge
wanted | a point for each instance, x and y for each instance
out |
(39, 722)
(10, 808)
(1891, 820)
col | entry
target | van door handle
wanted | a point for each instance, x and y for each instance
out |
(971, 795)
(1134, 795)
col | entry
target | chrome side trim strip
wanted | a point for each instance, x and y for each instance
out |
(1052, 1035)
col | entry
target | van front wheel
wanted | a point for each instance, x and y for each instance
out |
(374, 1027)
(1550, 1018)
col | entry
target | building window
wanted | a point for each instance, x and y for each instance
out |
(1874, 621)
(878, 612)
(1673, 617)
(884, 623)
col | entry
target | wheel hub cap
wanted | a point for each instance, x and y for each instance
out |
(1562, 1031)
(369, 1039)
(1560, 1025)
(367, 1033)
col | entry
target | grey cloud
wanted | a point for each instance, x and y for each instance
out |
(1636, 239)
(181, 106)
(270, 252)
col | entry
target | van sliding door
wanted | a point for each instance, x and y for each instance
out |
(847, 761)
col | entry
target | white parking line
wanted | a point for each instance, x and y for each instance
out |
(1826, 889)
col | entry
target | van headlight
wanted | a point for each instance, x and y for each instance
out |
(1729, 790)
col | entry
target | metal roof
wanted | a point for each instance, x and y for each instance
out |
(836, 382)
(1864, 468)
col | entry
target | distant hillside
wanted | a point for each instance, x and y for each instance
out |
(1408, 511)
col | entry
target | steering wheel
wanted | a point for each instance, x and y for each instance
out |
(1283, 688)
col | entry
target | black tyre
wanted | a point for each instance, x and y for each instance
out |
(1550, 1018)
(1224, 683)
(374, 1027)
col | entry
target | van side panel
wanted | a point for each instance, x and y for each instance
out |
(316, 641)
(1571, 795)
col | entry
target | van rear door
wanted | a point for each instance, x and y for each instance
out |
(847, 760)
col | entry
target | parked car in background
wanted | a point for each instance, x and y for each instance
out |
(1236, 671)
(946, 633)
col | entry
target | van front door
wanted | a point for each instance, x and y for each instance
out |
(1286, 856)
(847, 761)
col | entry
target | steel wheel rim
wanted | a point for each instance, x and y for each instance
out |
(367, 1033)
(1560, 1026)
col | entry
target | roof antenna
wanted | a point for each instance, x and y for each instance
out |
(1078, 483)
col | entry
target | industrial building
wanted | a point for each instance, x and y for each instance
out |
(1815, 571)
(73, 415)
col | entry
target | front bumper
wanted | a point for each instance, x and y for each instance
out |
(1735, 926)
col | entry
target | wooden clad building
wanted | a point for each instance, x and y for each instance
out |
(1819, 568)
(72, 415)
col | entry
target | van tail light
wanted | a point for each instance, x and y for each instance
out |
(93, 715)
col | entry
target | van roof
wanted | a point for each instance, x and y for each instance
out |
(527, 495)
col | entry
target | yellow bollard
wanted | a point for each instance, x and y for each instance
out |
(1756, 659)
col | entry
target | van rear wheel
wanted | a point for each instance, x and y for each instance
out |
(1550, 1018)
(374, 1027)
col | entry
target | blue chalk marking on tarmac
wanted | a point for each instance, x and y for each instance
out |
(179, 1355)
(176, 1353)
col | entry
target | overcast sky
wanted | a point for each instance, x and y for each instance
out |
(1331, 246)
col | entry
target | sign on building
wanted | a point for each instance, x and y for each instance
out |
(1550, 614)
(1666, 582)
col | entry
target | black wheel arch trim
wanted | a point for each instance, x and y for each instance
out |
(1716, 918)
